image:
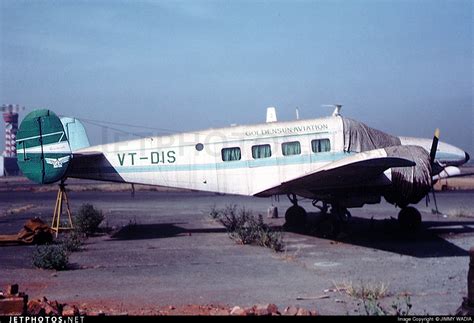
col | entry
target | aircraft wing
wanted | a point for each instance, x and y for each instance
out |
(353, 171)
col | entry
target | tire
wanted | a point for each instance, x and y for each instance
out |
(409, 219)
(329, 228)
(295, 216)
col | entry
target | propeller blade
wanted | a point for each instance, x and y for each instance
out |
(434, 146)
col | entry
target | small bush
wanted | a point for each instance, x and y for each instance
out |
(370, 294)
(230, 218)
(51, 257)
(73, 241)
(88, 219)
(402, 308)
(367, 290)
(244, 228)
(373, 308)
(215, 213)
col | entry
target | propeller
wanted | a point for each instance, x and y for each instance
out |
(434, 148)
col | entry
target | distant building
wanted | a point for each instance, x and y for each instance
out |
(8, 166)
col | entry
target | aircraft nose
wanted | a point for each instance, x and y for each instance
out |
(467, 157)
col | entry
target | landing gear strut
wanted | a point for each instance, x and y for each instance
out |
(409, 219)
(295, 216)
(328, 224)
(331, 223)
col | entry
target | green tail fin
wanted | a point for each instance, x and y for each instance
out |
(42, 147)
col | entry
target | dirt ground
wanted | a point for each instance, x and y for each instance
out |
(166, 254)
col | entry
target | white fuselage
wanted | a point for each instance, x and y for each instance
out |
(178, 160)
(175, 161)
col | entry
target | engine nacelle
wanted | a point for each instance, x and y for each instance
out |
(447, 172)
(409, 184)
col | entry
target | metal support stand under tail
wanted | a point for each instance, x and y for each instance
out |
(58, 210)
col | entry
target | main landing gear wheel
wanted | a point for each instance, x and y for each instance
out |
(409, 219)
(329, 227)
(295, 216)
(333, 223)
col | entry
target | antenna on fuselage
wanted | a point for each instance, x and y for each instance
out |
(271, 114)
(337, 109)
(297, 113)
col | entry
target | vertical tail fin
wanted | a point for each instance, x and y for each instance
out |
(75, 132)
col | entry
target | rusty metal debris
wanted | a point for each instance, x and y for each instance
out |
(302, 298)
(13, 302)
(51, 308)
(35, 231)
(219, 310)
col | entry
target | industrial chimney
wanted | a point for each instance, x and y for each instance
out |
(10, 116)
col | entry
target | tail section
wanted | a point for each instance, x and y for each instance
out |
(75, 132)
(43, 149)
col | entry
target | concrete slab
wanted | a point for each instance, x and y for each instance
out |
(169, 252)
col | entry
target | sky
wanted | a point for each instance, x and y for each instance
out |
(404, 67)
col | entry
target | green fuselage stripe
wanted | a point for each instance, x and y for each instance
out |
(263, 162)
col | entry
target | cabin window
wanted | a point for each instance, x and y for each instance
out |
(320, 145)
(261, 151)
(230, 154)
(199, 147)
(291, 148)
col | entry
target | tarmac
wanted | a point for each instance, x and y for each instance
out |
(166, 250)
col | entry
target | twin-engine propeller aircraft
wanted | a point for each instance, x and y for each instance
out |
(338, 162)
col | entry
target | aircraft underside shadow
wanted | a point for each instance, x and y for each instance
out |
(380, 234)
(158, 231)
(386, 234)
